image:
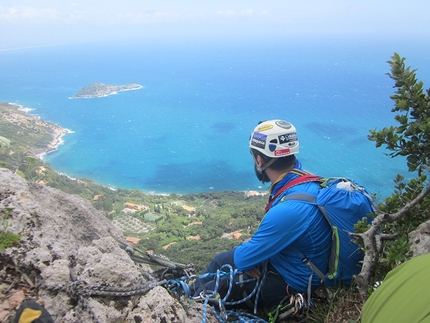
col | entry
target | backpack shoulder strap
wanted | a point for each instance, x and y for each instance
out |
(309, 198)
(335, 241)
(303, 178)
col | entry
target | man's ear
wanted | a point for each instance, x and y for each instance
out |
(260, 161)
(259, 164)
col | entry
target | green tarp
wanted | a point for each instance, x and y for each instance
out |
(404, 295)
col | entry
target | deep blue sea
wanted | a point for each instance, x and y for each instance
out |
(187, 130)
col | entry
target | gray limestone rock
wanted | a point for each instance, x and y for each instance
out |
(62, 232)
(420, 239)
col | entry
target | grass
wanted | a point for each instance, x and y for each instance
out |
(7, 238)
(343, 306)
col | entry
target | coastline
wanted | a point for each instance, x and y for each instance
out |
(57, 140)
(57, 132)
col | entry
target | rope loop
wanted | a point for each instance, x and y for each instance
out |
(78, 288)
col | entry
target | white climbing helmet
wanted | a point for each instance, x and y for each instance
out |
(275, 139)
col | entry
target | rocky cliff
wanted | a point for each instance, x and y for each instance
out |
(66, 247)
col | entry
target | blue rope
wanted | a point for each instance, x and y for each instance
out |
(242, 317)
(181, 287)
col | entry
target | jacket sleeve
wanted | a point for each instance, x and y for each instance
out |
(280, 228)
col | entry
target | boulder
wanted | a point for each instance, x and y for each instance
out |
(420, 239)
(66, 243)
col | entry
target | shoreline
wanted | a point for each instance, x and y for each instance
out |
(55, 143)
(58, 132)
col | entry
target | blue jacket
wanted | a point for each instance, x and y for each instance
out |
(289, 227)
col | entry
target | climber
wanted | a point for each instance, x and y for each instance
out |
(287, 232)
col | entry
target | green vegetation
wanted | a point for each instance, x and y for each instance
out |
(4, 143)
(21, 135)
(386, 241)
(7, 238)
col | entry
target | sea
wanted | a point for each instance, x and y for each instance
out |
(187, 129)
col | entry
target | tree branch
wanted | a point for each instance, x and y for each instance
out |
(373, 242)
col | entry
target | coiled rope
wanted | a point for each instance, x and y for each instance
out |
(212, 297)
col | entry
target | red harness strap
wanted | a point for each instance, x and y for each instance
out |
(299, 180)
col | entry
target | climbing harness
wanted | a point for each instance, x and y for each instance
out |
(297, 306)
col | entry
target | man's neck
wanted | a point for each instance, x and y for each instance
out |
(275, 175)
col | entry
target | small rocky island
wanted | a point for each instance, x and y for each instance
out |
(97, 90)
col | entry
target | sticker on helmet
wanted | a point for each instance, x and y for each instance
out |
(283, 124)
(272, 147)
(265, 127)
(258, 140)
(288, 137)
(283, 152)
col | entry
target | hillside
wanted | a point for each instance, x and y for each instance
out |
(27, 134)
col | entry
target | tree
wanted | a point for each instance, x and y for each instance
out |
(4, 143)
(408, 205)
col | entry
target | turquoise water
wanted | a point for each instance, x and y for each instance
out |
(187, 130)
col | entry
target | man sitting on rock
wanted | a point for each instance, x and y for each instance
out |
(287, 233)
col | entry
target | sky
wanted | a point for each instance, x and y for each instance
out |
(42, 22)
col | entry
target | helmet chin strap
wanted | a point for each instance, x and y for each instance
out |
(259, 170)
(261, 175)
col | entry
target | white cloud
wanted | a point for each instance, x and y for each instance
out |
(247, 12)
(28, 14)
(162, 14)
(97, 16)
(134, 18)
(148, 16)
(226, 12)
(76, 16)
